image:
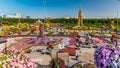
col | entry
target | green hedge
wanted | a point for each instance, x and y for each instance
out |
(69, 22)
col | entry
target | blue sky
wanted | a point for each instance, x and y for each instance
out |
(61, 8)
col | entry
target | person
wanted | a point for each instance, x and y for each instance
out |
(112, 39)
(32, 29)
(77, 43)
(50, 46)
(76, 57)
(86, 42)
(78, 36)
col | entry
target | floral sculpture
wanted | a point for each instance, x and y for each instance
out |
(107, 57)
(14, 29)
(15, 59)
(23, 26)
(41, 39)
(4, 30)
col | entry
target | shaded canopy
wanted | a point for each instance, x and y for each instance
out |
(5, 22)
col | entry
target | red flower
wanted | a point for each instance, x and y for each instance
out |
(78, 36)
(114, 35)
(50, 46)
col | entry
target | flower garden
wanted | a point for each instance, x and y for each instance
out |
(33, 46)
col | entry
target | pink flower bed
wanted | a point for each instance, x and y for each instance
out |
(71, 41)
(20, 45)
(15, 59)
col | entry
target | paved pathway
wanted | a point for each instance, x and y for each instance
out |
(44, 59)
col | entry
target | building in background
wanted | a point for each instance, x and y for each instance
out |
(69, 17)
(0, 16)
(4, 16)
(28, 17)
(16, 15)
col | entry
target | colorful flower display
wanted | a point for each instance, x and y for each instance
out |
(107, 56)
(15, 59)
(23, 26)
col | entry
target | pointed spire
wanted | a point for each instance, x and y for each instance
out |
(80, 9)
(80, 20)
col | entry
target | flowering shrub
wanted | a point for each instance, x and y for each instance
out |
(107, 57)
(15, 59)
(53, 63)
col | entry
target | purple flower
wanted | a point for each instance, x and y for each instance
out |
(107, 56)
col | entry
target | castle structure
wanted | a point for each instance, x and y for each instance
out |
(80, 19)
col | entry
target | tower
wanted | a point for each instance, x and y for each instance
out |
(80, 20)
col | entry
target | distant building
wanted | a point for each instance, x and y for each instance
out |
(0, 16)
(4, 16)
(28, 17)
(69, 17)
(16, 15)
(66, 17)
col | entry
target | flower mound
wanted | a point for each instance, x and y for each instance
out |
(69, 50)
(107, 57)
(15, 59)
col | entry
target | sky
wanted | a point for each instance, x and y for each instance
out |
(61, 8)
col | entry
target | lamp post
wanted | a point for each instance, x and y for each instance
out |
(57, 56)
(102, 27)
(117, 22)
(44, 2)
(57, 59)
(117, 26)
